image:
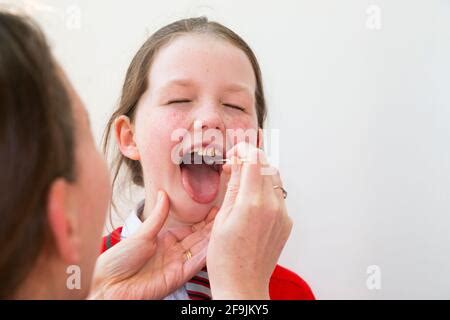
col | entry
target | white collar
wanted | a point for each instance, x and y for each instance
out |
(132, 222)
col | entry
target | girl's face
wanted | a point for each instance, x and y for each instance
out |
(198, 85)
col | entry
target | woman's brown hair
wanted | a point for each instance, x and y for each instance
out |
(36, 145)
(136, 81)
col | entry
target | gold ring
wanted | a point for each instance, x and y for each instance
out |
(282, 190)
(188, 255)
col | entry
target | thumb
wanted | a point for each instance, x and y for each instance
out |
(154, 223)
(233, 183)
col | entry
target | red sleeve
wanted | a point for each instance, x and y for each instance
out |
(111, 239)
(287, 285)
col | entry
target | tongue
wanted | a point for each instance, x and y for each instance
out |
(200, 181)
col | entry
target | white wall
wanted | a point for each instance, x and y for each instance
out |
(364, 117)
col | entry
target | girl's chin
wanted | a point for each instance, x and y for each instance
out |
(190, 212)
(185, 210)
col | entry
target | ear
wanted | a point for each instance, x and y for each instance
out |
(63, 221)
(125, 137)
(260, 139)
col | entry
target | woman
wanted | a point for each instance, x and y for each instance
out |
(46, 192)
(54, 193)
(195, 78)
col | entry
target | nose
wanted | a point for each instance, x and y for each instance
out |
(209, 116)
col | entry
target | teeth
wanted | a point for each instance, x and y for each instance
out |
(208, 155)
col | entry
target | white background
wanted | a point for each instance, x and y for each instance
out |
(364, 117)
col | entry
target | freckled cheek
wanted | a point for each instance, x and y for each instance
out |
(242, 123)
(155, 138)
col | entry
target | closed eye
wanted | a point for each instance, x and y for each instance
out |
(178, 101)
(233, 106)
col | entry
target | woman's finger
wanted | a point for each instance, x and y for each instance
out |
(252, 179)
(277, 182)
(196, 263)
(197, 237)
(243, 157)
(240, 150)
(233, 185)
(210, 217)
(180, 233)
(153, 224)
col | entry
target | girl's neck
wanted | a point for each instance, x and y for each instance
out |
(171, 221)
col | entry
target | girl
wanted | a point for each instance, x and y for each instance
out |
(191, 78)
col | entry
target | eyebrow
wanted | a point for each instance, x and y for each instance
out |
(238, 88)
(178, 82)
(234, 87)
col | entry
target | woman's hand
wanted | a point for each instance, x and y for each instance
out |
(152, 264)
(250, 229)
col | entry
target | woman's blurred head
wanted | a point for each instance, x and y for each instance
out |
(54, 187)
(192, 76)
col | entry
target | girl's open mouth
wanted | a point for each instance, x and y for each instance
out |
(200, 174)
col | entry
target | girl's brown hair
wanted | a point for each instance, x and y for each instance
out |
(36, 145)
(136, 81)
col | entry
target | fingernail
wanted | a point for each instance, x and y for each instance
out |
(160, 195)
